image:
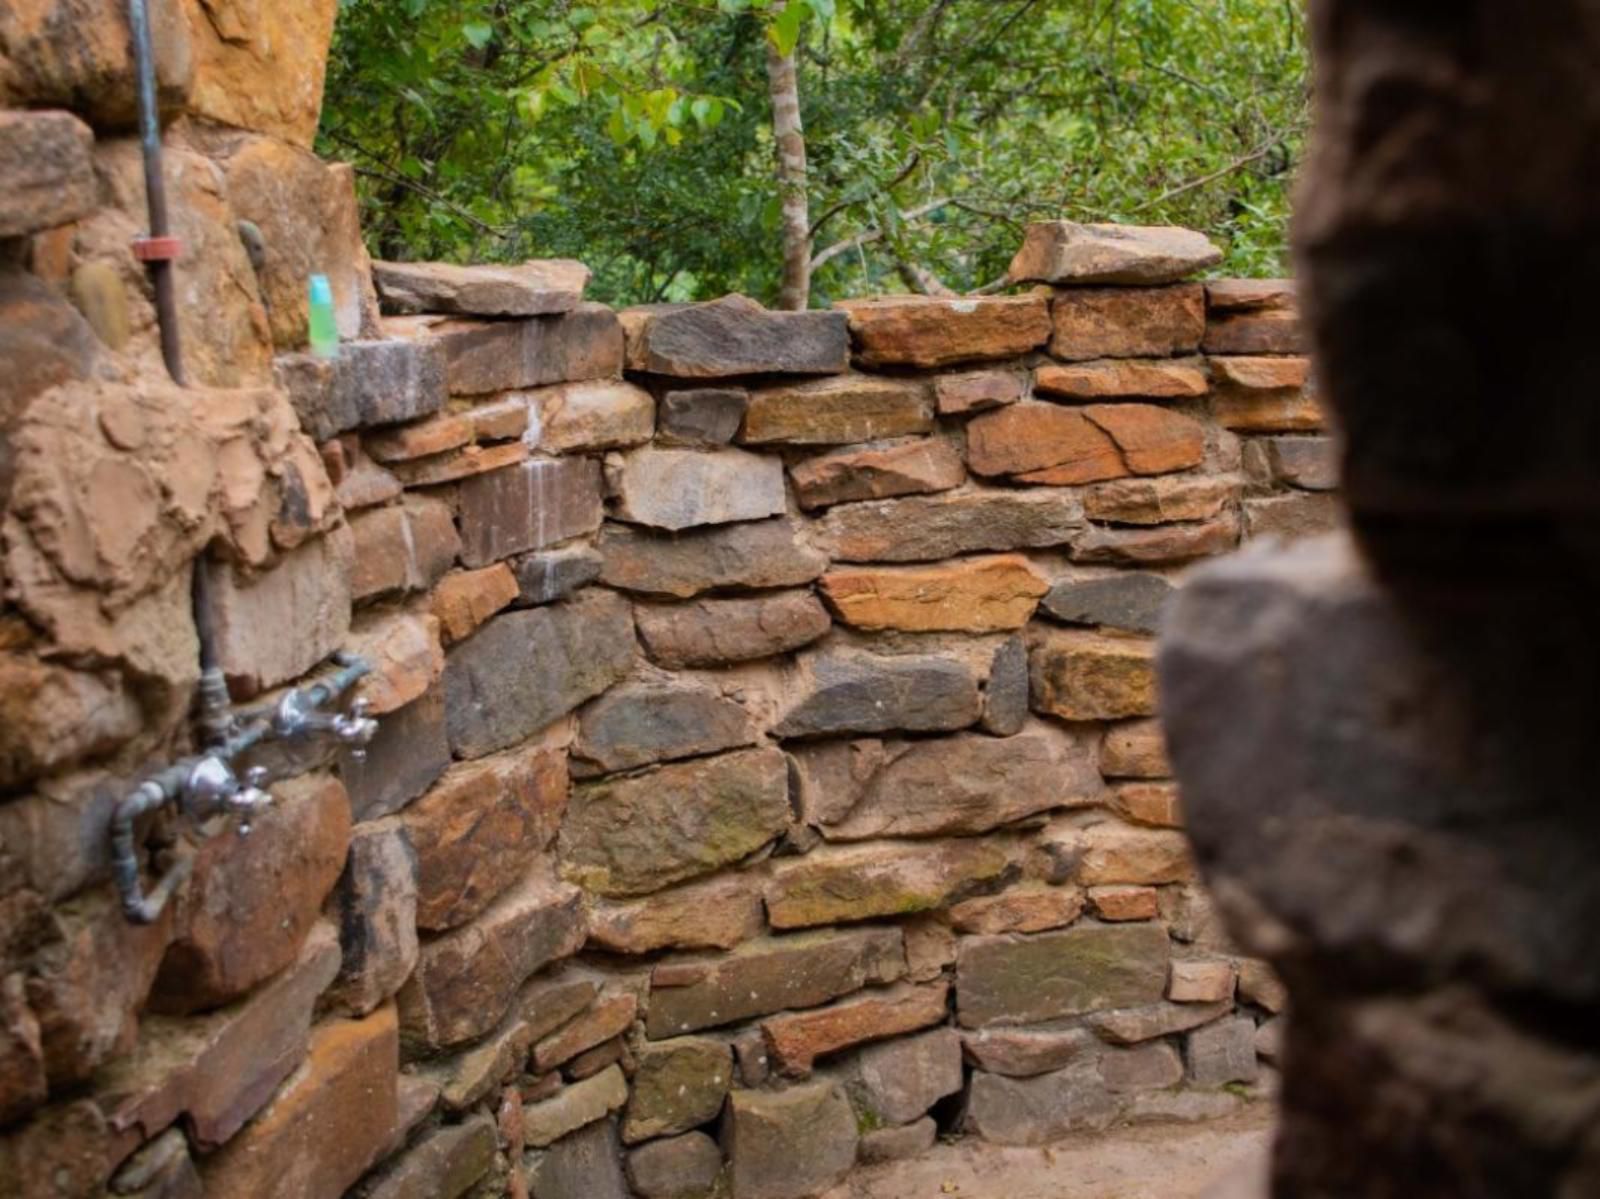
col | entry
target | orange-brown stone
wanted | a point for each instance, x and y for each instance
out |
(1162, 544)
(261, 66)
(1135, 750)
(1115, 378)
(1153, 804)
(466, 599)
(932, 331)
(463, 463)
(1127, 322)
(1153, 440)
(1265, 395)
(796, 1040)
(1088, 676)
(1043, 443)
(1022, 910)
(970, 595)
(435, 435)
(931, 464)
(405, 655)
(1121, 904)
(1159, 501)
(1120, 854)
(837, 411)
(976, 391)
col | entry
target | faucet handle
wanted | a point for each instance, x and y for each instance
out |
(355, 728)
(249, 798)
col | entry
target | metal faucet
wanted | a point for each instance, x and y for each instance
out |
(209, 784)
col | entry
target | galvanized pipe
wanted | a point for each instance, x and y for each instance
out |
(161, 247)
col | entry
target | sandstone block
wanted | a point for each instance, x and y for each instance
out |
(1152, 1067)
(503, 419)
(476, 830)
(310, 223)
(52, 717)
(759, 554)
(789, 1144)
(1223, 1052)
(1292, 517)
(1270, 1038)
(719, 632)
(1151, 440)
(1119, 904)
(375, 904)
(600, 414)
(73, 55)
(630, 836)
(526, 669)
(1250, 295)
(958, 786)
(575, 1107)
(898, 1081)
(936, 527)
(837, 411)
(1045, 443)
(1113, 378)
(466, 599)
(1164, 545)
(1146, 1023)
(717, 913)
(608, 1018)
(919, 467)
(410, 751)
(795, 1040)
(591, 1061)
(848, 691)
(251, 903)
(1115, 322)
(637, 725)
(1154, 804)
(932, 331)
(539, 288)
(1160, 501)
(549, 575)
(404, 548)
(45, 159)
(679, 1085)
(262, 69)
(327, 1125)
(1021, 910)
(1308, 463)
(1130, 602)
(859, 882)
(1067, 252)
(734, 336)
(275, 626)
(461, 989)
(456, 465)
(680, 489)
(897, 1144)
(1263, 321)
(443, 1164)
(683, 1167)
(770, 975)
(1258, 984)
(405, 655)
(1005, 698)
(1135, 750)
(23, 1084)
(371, 383)
(61, 1151)
(1090, 676)
(1265, 395)
(1090, 968)
(1119, 854)
(701, 416)
(420, 439)
(489, 356)
(528, 506)
(1025, 1052)
(973, 595)
(976, 391)
(1040, 1109)
(162, 1169)
(217, 1070)
(1200, 980)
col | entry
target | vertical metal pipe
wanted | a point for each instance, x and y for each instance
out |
(155, 184)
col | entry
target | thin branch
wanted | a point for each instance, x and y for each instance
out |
(876, 234)
(1237, 164)
(429, 194)
(989, 289)
(900, 177)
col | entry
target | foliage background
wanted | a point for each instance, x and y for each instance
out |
(636, 134)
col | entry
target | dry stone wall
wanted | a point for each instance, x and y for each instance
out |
(768, 775)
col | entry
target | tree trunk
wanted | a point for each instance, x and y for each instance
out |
(790, 139)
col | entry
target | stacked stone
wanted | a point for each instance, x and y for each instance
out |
(768, 773)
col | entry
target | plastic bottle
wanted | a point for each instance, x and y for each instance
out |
(324, 327)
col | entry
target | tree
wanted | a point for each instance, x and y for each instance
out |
(789, 140)
(638, 134)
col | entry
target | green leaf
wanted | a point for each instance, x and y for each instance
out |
(478, 33)
(785, 31)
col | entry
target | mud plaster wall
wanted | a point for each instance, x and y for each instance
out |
(768, 775)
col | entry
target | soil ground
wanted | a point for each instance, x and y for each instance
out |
(1163, 1161)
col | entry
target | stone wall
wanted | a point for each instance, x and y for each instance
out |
(768, 775)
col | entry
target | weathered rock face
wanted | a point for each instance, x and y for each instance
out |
(917, 467)
(958, 786)
(853, 692)
(680, 1085)
(488, 356)
(837, 411)
(924, 530)
(635, 726)
(848, 883)
(50, 176)
(790, 1144)
(734, 336)
(1039, 1109)
(716, 913)
(539, 288)
(716, 632)
(261, 69)
(527, 507)
(1107, 378)
(680, 489)
(1064, 252)
(1027, 980)
(929, 331)
(796, 1040)
(705, 416)
(635, 835)
(974, 595)
(1090, 676)
(1131, 602)
(759, 554)
(1115, 322)
(603, 414)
